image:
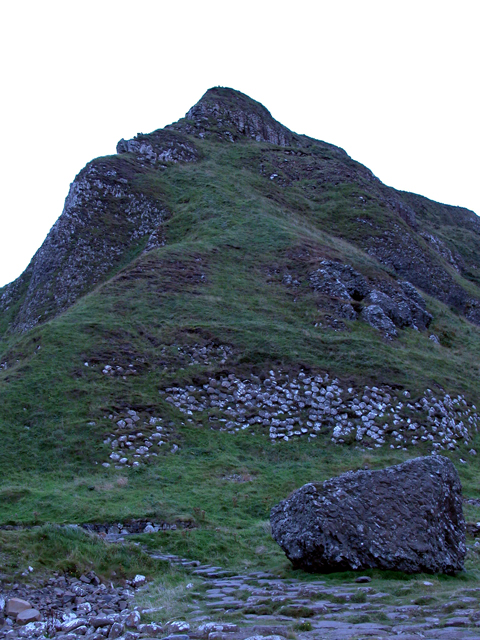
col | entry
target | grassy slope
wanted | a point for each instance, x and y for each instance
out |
(232, 234)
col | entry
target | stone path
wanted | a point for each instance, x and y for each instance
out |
(261, 604)
(224, 605)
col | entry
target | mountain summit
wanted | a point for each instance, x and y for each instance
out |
(230, 115)
(226, 274)
(109, 215)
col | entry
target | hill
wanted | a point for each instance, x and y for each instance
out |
(224, 311)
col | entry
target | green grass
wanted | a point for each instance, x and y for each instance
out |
(71, 550)
(219, 277)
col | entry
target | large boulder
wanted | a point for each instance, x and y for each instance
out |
(407, 518)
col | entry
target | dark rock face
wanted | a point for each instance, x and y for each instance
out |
(104, 215)
(452, 257)
(398, 305)
(406, 518)
(420, 263)
(418, 239)
(231, 115)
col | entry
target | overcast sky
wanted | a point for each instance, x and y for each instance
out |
(395, 83)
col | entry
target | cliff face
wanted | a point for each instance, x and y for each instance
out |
(109, 217)
(104, 217)
(406, 233)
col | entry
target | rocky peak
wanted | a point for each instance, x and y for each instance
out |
(110, 213)
(231, 115)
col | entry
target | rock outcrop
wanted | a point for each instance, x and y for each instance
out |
(406, 518)
(385, 305)
(160, 147)
(417, 261)
(105, 216)
(376, 317)
(230, 115)
(421, 241)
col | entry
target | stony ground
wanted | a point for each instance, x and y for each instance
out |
(287, 406)
(284, 407)
(224, 605)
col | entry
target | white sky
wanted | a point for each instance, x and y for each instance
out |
(393, 82)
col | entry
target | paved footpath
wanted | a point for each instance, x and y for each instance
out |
(223, 605)
(261, 604)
